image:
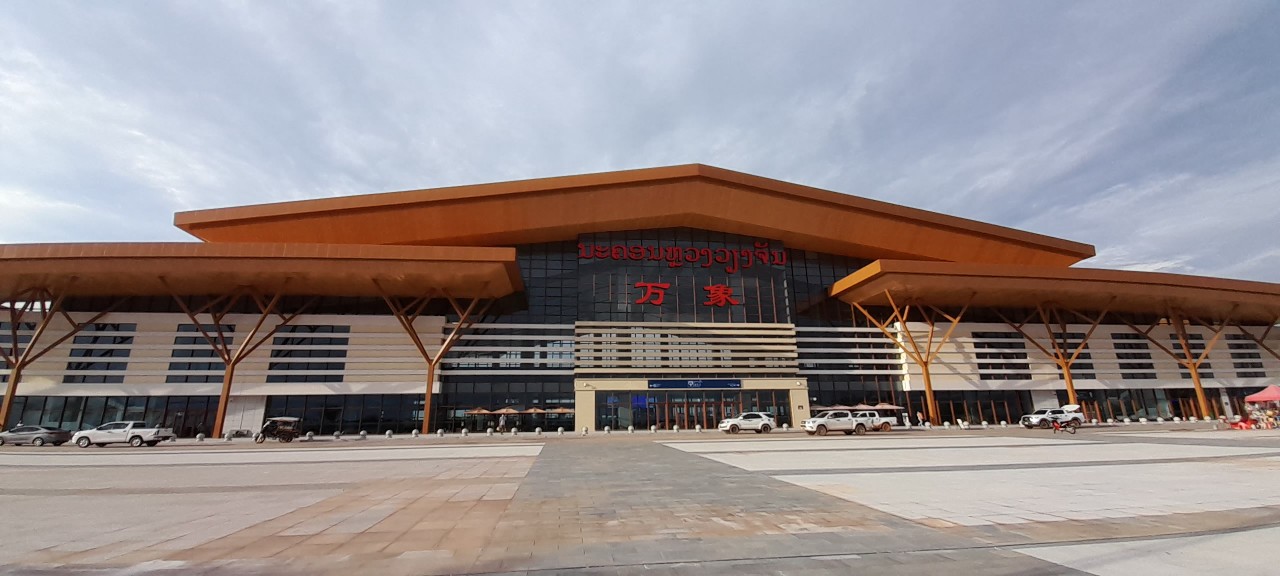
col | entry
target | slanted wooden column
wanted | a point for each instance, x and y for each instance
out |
(408, 311)
(1062, 353)
(17, 356)
(224, 345)
(1261, 341)
(1189, 360)
(922, 353)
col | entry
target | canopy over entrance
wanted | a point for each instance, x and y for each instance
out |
(1083, 289)
(291, 269)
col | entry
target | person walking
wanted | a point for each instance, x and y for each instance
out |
(502, 424)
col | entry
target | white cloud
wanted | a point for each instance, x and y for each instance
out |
(1016, 113)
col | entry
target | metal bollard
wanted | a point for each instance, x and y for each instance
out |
(389, 435)
(631, 429)
(200, 437)
(488, 431)
(538, 430)
(585, 430)
(337, 434)
(676, 428)
(226, 437)
(364, 435)
(606, 430)
(311, 436)
(515, 431)
(698, 428)
(560, 430)
(653, 429)
(465, 432)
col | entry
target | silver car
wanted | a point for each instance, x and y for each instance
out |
(34, 435)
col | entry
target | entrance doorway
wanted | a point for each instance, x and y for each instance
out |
(667, 409)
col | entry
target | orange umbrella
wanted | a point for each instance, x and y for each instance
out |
(560, 411)
(477, 412)
(507, 410)
(534, 410)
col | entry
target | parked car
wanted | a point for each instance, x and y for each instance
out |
(845, 421)
(34, 435)
(1045, 417)
(760, 422)
(136, 433)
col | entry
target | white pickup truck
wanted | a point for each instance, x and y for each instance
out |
(847, 422)
(136, 433)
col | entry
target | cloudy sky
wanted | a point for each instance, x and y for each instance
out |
(1149, 129)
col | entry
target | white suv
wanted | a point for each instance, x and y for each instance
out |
(761, 422)
(1045, 417)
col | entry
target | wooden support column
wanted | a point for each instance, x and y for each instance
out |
(1060, 354)
(1261, 341)
(406, 313)
(907, 342)
(224, 345)
(1187, 359)
(16, 356)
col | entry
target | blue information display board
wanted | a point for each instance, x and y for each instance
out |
(696, 384)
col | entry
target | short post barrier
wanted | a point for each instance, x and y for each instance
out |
(337, 434)
(226, 437)
(465, 432)
(364, 434)
(631, 429)
(560, 430)
(653, 429)
(585, 430)
(389, 435)
(698, 428)
(311, 436)
(488, 431)
(606, 430)
(200, 437)
(538, 431)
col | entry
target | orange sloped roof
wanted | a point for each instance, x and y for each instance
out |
(310, 269)
(696, 196)
(952, 284)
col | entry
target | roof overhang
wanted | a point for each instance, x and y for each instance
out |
(695, 196)
(287, 269)
(986, 286)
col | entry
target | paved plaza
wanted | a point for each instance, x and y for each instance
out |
(1125, 500)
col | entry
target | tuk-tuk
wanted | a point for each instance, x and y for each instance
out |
(282, 428)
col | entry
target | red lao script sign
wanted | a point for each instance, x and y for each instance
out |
(732, 259)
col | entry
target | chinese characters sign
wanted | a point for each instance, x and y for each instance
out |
(655, 293)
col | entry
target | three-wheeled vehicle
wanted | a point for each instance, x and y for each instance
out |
(282, 428)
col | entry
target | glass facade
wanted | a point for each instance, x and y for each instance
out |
(687, 409)
(350, 413)
(187, 415)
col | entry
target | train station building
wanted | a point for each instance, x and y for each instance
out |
(661, 297)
